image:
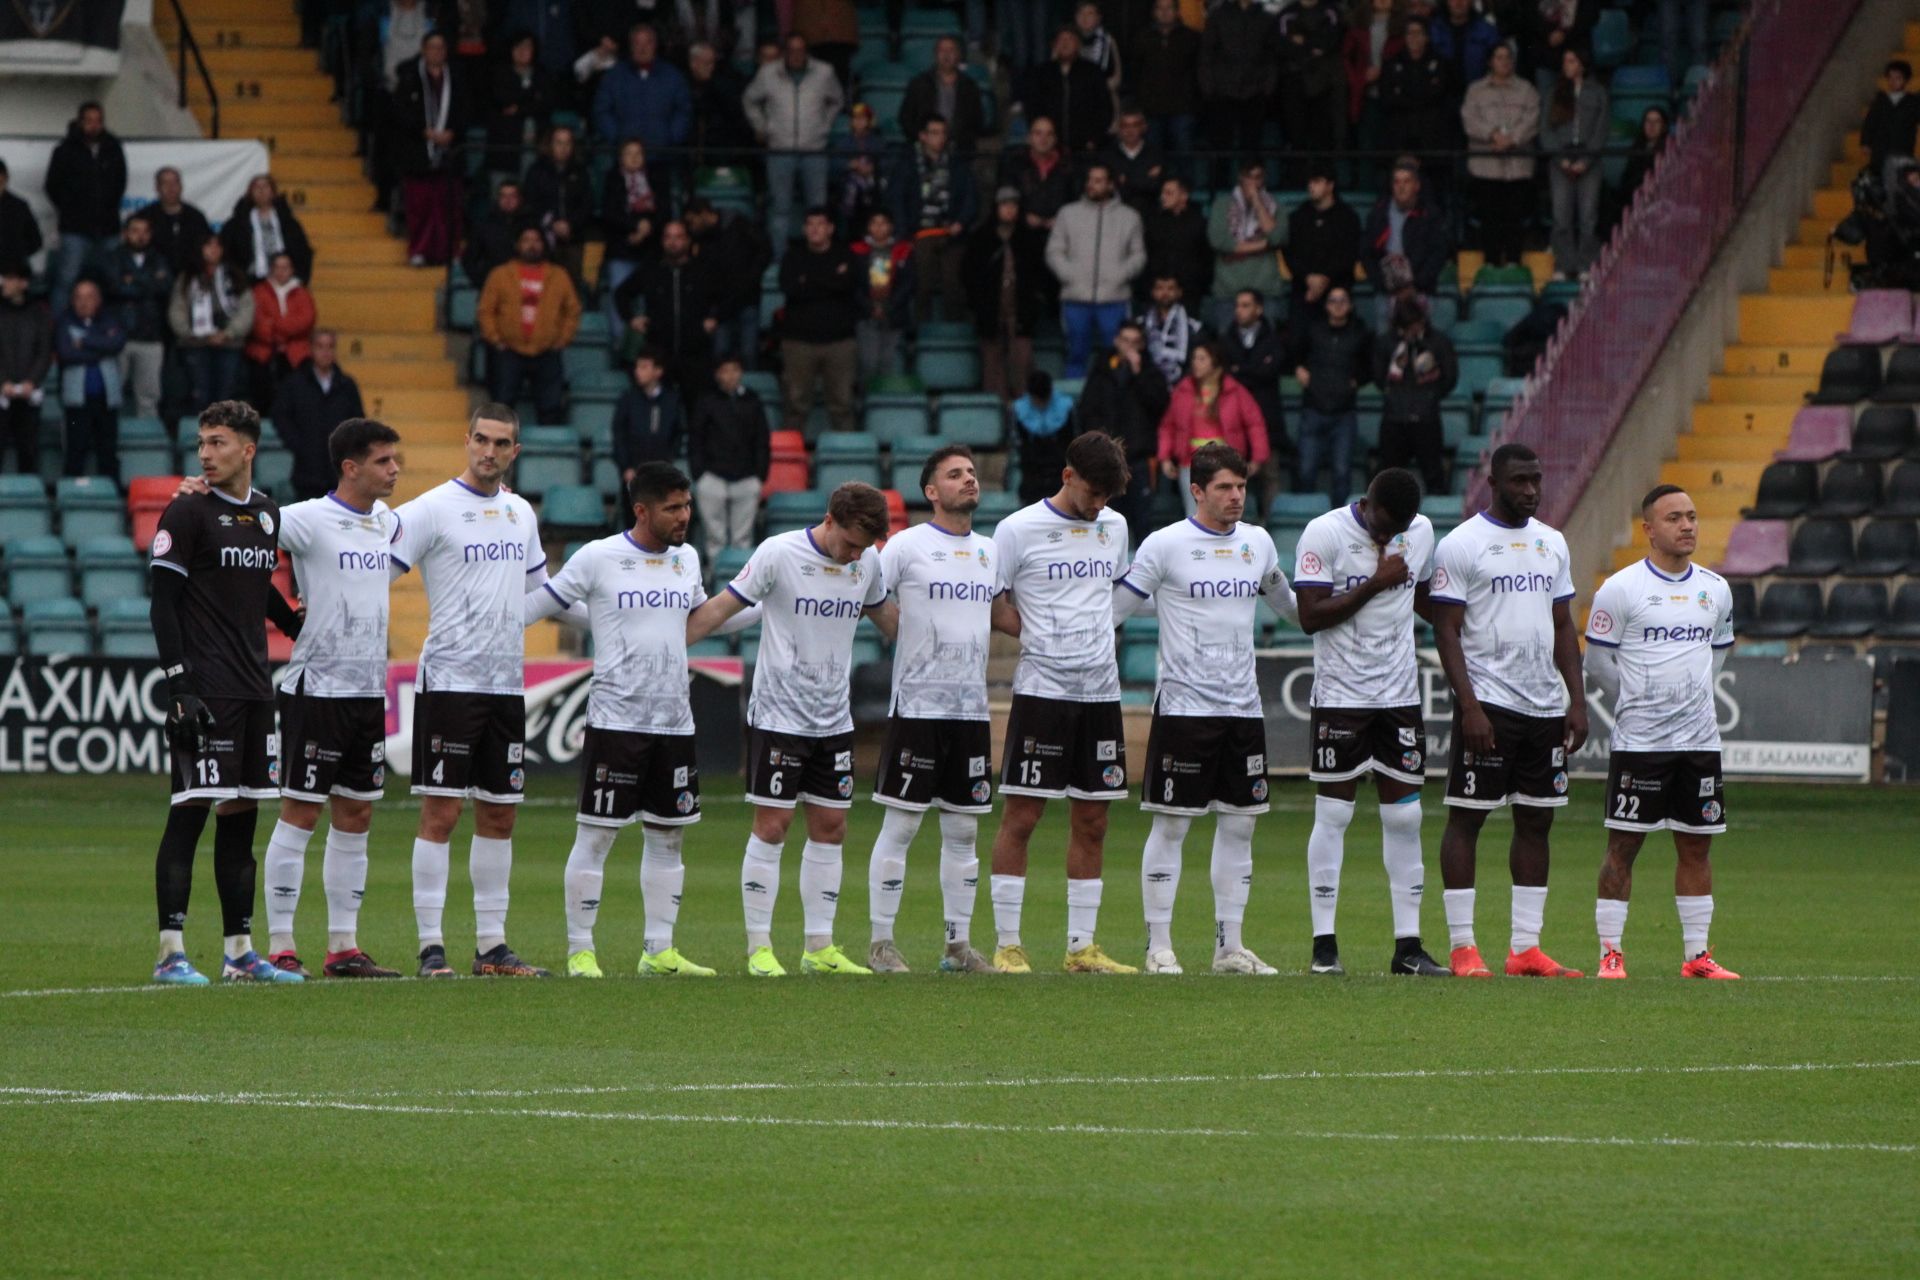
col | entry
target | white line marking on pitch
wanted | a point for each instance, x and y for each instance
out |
(1568, 1140)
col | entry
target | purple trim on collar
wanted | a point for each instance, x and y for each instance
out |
(1655, 570)
(348, 505)
(628, 535)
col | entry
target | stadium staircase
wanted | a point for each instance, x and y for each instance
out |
(385, 311)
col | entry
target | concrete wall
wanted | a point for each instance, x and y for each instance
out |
(1664, 407)
(139, 97)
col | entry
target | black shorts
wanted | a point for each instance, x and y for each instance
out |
(944, 764)
(1349, 741)
(1528, 764)
(470, 745)
(638, 777)
(332, 747)
(1201, 763)
(242, 759)
(1671, 790)
(786, 768)
(1059, 748)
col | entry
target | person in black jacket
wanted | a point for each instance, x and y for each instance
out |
(719, 121)
(1071, 92)
(490, 240)
(1257, 360)
(1332, 358)
(559, 199)
(1163, 68)
(1404, 244)
(178, 227)
(19, 230)
(85, 179)
(735, 253)
(261, 225)
(964, 113)
(668, 305)
(1004, 266)
(1125, 395)
(1418, 96)
(648, 422)
(1177, 242)
(1137, 164)
(26, 355)
(310, 402)
(825, 291)
(1892, 122)
(1416, 368)
(729, 451)
(1313, 80)
(431, 109)
(138, 281)
(520, 96)
(1323, 244)
(631, 212)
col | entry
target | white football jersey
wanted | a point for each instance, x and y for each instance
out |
(637, 605)
(1367, 661)
(1664, 631)
(944, 585)
(810, 608)
(1061, 572)
(341, 566)
(1207, 587)
(1509, 579)
(478, 554)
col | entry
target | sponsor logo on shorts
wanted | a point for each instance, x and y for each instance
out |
(1560, 783)
(1407, 738)
(1410, 761)
(1113, 775)
(1559, 757)
(380, 776)
(684, 802)
(1706, 788)
(981, 791)
(1256, 765)
(906, 758)
(599, 773)
(1259, 788)
(843, 760)
(1711, 811)
(516, 752)
(773, 756)
(846, 785)
(433, 744)
(517, 779)
(1106, 749)
(680, 775)
(379, 753)
(312, 750)
(1320, 731)
(977, 767)
(273, 772)
(1028, 746)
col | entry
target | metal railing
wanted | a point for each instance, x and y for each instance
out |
(189, 45)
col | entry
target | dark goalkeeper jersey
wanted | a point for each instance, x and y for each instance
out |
(226, 549)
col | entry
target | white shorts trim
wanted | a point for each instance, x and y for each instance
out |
(783, 802)
(894, 802)
(1371, 766)
(621, 824)
(1644, 828)
(216, 794)
(288, 793)
(493, 798)
(1539, 802)
(1213, 806)
(467, 793)
(1484, 806)
(1075, 793)
(1717, 829)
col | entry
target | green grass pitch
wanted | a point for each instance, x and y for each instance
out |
(933, 1125)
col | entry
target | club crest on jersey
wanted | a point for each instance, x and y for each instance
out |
(266, 523)
(1113, 775)
(1540, 546)
(1407, 738)
(1410, 761)
(1259, 788)
(683, 803)
(1100, 534)
(1703, 600)
(983, 557)
(273, 772)
(517, 779)
(380, 776)
(1246, 553)
(1711, 811)
(1560, 783)
(846, 785)
(981, 791)
(853, 571)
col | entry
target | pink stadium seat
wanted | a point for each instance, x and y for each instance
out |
(1756, 547)
(1820, 431)
(1880, 316)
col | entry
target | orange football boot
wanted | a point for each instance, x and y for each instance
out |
(1535, 963)
(1612, 965)
(1466, 963)
(1702, 966)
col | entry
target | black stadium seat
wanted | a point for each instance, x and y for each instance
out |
(1854, 609)
(1850, 489)
(1819, 547)
(1903, 620)
(1902, 385)
(1786, 490)
(1787, 610)
(1882, 433)
(1886, 547)
(1848, 374)
(1745, 609)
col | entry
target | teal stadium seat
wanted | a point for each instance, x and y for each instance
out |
(110, 569)
(9, 635)
(948, 367)
(727, 565)
(56, 626)
(549, 457)
(904, 461)
(1612, 38)
(573, 508)
(593, 424)
(1502, 309)
(273, 472)
(1444, 510)
(973, 418)
(1476, 372)
(126, 629)
(145, 449)
(891, 416)
(37, 569)
(24, 509)
(995, 506)
(841, 456)
(89, 507)
(793, 509)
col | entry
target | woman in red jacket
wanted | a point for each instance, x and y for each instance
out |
(282, 337)
(1209, 405)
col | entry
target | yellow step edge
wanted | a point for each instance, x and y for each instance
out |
(1805, 280)
(358, 344)
(252, 61)
(1771, 420)
(1725, 388)
(1803, 361)
(1692, 448)
(1793, 321)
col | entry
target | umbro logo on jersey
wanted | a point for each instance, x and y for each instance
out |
(938, 555)
(1055, 536)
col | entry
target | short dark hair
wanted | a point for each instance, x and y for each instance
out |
(236, 415)
(653, 481)
(1508, 454)
(89, 105)
(1255, 294)
(3, 168)
(933, 117)
(1901, 65)
(938, 456)
(494, 411)
(137, 217)
(1413, 20)
(1039, 386)
(1097, 458)
(860, 506)
(1178, 181)
(699, 204)
(1656, 493)
(1102, 165)
(1251, 163)
(354, 439)
(1209, 460)
(817, 211)
(508, 182)
(1397, 492)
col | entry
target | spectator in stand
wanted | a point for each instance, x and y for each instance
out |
(719, 122)
(528, 314)
(1004, 268)
(282, 337)
(559, 199)
(261, 225)
(1332, 358)
(1648, 143)
(1695, 48)
(1239, 69)
(822, 284)
(1071, 92)
(591, 67)
(26, 354)
(430, 111)
(1313, 82)
(1404, 245)
(934, 202)
(1096, 45)
(178, 227)
(668, 304)
(551, 24)
(1177, 243)
(1323, 244)
(19, 229)
(791, 105)
(87, 342)
(1256, 356)
(1208, 405)
(491, 238)
(1041, 173)
(1375, 32)
(631, 211)
(1416, 93)
(946, 91)
(649, 424)
(86, 177)
(735, 255)
(1163, 68)
(645, 97)
(1576, 129)
(138, 280)
(729, 451)
(1040, 418)
(832, 28)
(1551, 28)
(385, 36)
(859, 158)
(521, 95)
(1501, 118)
(1171, 332)
(1125, 395)
(1465, 41)
(1892, 122)
(1416, 368)
(211, 315)
(1246, 230)
(890, 268)
(1136, 163)
(311, 402)
(1095, 250)
(1021, 27)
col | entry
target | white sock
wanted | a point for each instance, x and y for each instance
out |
(1400, 850)
(1160, 876)
(662, 876)
(820, 871)
(1009, 892)
(1610, 920)
(343, 874)
(430, 865)
(759, 889)
(1459, 904)
(1529, 911)
(172, 942)
(1232, 872)
(585, 875)
(286, 865)
(1083, 912)
(1695, 915)
(490, 863)
(237, 944)
(887, 869)
(959, 872)
(1326, 849)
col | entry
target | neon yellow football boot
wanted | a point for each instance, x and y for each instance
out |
(1011, 960)
(671, 964)
(762, 964)
(830, 959)
(581, 964)
(1091, 959)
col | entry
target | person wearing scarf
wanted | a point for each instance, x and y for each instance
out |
(281, 339)
(1170, 331)
(261, 225)
(1245, 227)
(430, 115)
(211, 314)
